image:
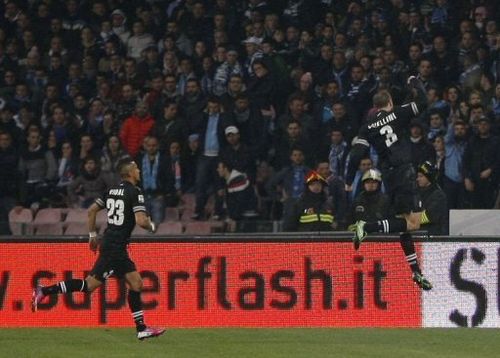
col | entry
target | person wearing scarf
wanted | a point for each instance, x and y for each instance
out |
(157, 182)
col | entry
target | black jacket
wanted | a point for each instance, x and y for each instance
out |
(241, 199)
(436, 215)
(312, 212)
(224, 122)
(164, 181)
(369, 206)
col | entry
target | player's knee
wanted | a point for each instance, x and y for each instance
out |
(91, 283)
(136, 285)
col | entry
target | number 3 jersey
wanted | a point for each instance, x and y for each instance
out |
(121, 203)
(388, 133)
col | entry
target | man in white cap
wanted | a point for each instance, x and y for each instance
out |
(252, 46)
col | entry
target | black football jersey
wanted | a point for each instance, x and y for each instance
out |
(387, 132)
(121, 203)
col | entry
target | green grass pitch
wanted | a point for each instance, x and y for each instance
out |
(252, 343)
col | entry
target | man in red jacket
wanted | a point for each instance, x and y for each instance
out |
(135, 129)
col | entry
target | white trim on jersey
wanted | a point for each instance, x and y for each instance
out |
(414, 108)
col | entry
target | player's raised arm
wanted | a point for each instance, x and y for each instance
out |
(412, 109)
(419, 93)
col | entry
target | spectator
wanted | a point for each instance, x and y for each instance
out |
(212, 141)
(150, 64)
(252, 45)
(112, 154)
(193, 102)
(157, 181)
(435, 216)
(455, 145)
(293, 138)
(239, 193)
(358, 91)
(335, 191)
(436, 125)
(190, 159)
(253, 125)
(481, 166)
(296, 112)
(371, 203)
(337, 155)
(287, 185)
(235, 88)
(88, 148)
(135, 129)
(237, 154)
(171, 127)
(357, 184)
(139, 40)
(421, 149)
(9, 180)
(88, 186)
(8, 124)
(67, 171)
(38, 170)
(262, 87)
(313, 211)
(177, 170)
(225, 71)
(186, 72)
(343, 121)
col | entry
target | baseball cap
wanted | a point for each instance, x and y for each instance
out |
(231, 130)
(253, 40)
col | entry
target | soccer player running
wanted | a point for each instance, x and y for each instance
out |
(387, 131)
(125, 207)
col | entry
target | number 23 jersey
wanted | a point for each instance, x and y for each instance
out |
(121, 203)
(388, 133)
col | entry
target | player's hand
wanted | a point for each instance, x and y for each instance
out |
(93, 241)
(348, 188)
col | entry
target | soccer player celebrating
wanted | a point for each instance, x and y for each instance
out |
(125, 207)
(387, 131)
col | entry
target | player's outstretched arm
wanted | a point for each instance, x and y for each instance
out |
(92, 215)
(420, 95)
(144, 221)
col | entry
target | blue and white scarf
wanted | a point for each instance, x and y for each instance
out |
(149, 174)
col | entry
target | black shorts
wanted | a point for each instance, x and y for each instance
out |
(116, 263)
(401, 187)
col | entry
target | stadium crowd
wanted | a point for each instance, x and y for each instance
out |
(241, 99)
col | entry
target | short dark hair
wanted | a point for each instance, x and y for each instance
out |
(124, 166)
(227, 164)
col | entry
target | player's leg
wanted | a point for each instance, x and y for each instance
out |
(402, 191)
(98, 274)
(89, 284)
(411, 201)
(134, 282)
